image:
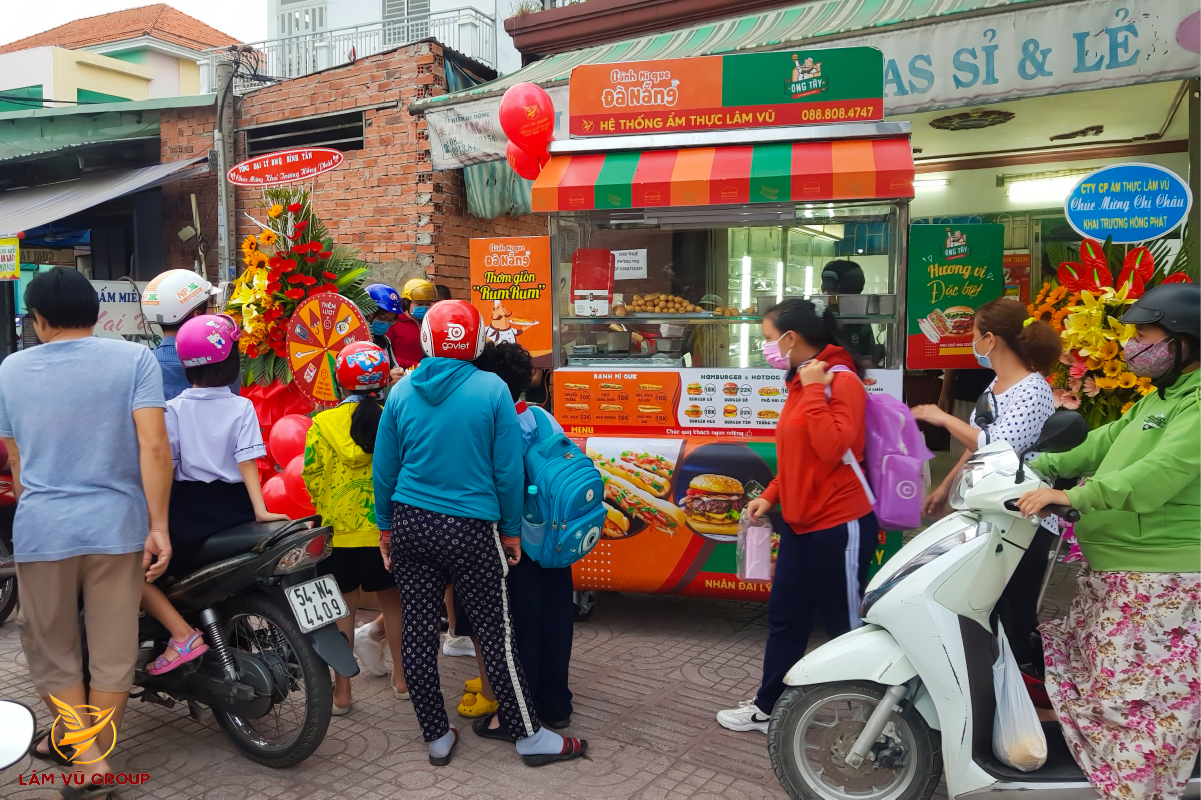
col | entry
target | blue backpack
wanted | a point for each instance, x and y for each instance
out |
(570, 491)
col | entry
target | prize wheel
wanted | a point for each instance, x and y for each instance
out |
(321, 326)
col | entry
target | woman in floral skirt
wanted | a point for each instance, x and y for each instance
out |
(1122, 669)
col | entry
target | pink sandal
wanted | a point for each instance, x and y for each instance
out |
(188, 649)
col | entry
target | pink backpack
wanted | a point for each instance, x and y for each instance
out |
(894, 451)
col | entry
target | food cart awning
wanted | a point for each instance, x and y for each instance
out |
(774, 172)
(23, 209)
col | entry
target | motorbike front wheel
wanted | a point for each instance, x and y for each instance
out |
(813, 729)
(303, 695)
(8, 589)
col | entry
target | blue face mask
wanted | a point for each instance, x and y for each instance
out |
(418, 312)
(981, 359)
(379, 328)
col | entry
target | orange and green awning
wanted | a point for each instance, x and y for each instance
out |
(779, 172)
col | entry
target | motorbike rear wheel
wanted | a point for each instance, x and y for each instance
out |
(303, 697)
(8, 588)
(813, 728)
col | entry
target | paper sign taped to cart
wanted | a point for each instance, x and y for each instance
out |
(510, 280)
(746, 90)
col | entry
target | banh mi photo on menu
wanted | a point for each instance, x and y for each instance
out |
(640, 505)
(769, 391)
(611, 407)
(647, 481)
(768, 413)
(576, 406)
(649, 409)
(617, 524)
(611, 387)
(651, 387)
(651, 462)
(577, 387)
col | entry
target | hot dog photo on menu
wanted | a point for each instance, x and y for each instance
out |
(638, 475)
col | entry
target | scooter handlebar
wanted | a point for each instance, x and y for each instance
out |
(1066, 513)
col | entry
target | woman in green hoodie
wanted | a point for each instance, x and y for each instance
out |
(1122, 669)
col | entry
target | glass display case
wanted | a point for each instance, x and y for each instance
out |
(690, 289)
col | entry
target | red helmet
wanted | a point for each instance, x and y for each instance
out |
(453, 329)
(362, 366)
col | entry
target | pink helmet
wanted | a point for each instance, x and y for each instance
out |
(206, 339)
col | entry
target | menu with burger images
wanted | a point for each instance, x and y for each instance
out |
(953, 270)
(725, 403)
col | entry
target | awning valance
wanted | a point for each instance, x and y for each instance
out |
(779, 172)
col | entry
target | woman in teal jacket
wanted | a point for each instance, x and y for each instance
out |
(1122, 667)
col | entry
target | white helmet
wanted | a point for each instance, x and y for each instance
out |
(174, 294)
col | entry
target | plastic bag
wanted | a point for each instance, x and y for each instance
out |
(754, 550)
(1017, 735)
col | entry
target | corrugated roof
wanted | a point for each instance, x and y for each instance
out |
(159, 20)
(777, 29)
(153, 104)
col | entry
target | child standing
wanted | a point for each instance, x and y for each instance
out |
(337, 471)
(215, 439)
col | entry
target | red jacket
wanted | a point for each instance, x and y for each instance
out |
(815, 489)
(405, 337)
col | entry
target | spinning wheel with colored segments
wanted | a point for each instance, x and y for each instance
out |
(321, 326)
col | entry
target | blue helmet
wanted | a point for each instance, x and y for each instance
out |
(387, 298)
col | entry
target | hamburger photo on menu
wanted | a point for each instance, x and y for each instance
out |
(953, 321)
(713, 504)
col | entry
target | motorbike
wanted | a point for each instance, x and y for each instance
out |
(883, 711)
(268, 621)
(8, 510)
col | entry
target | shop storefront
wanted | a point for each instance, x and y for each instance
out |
(664, 252)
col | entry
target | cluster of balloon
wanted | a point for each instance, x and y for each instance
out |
(286, 493)
(527, 117)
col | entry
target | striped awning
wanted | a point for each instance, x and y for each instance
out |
(778, 172)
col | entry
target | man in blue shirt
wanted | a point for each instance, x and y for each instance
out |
(170, 300)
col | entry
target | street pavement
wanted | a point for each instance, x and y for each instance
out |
(648, 672)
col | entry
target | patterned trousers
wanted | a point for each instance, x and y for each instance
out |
(428, 551)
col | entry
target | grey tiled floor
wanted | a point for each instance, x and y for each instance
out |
(648, 672)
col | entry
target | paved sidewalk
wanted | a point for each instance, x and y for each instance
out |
(649, 672)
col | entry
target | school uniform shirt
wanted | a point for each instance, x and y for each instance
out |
(211, 432)
(175, 382)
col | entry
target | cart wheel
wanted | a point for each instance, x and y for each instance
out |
(585, 604)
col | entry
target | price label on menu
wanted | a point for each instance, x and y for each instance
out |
(734, 403)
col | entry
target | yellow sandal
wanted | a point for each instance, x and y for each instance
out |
(475, 685)
(474, 705)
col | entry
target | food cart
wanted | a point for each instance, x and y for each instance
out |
(666, 248)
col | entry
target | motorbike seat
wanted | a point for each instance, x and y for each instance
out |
(224, 544)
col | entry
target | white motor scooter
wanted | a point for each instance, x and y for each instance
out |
(881, 712)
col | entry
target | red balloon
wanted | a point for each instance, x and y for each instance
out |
(522, 162)
(298, 493)
(287, 437)
(275, 496)
(527, 116)
(544, 156)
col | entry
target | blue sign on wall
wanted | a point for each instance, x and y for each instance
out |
(1130, 202)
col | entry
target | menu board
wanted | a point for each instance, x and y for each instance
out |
(953, 270)
(724, 403)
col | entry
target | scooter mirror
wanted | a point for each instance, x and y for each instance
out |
(16, 732)
(986, 410)
(1064, 430)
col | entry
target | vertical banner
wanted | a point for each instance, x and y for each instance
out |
(10, 259)
(510, 285)
(953, 270)
(1017, 276)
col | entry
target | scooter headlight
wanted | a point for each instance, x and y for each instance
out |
(971, 474)
(939, 548)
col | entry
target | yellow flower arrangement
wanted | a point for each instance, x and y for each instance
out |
(1106, 384)
(1112, 368)
(1110, 351)
(267, 238)
(1127, 380)
(249, 245)
(1129, 405)
(275, 211)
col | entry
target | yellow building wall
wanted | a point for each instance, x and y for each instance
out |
(78, 69)
(189, 77)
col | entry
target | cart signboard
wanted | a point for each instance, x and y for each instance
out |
(10, 259)
(510, 285)
(317, 332)
(953, 270)
(748, 90)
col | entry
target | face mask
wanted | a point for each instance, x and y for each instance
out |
(379, 328)
(1149, 360)
(982, 359)
(778, 360)
(418, 312)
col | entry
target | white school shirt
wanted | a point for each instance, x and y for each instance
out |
(211, 432)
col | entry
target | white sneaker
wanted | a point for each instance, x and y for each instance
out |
(370, 650)
(747, 717)
(458, 646)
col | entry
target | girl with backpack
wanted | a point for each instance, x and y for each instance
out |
(337, 472)
(1021, 351)
(822, 564)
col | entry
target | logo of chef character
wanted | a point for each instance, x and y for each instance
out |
(500, 329)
